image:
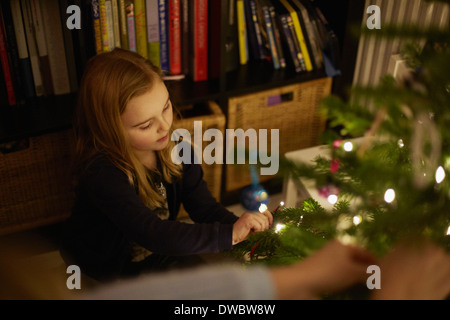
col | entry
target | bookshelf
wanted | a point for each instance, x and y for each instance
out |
(43, 115)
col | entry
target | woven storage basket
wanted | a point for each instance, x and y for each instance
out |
(211, 116)
(292, 109)
(35, 183)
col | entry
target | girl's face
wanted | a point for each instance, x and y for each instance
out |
(148, 118)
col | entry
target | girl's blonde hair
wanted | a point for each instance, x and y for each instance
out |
(109, 82)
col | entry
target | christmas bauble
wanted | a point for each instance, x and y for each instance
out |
(253, 197)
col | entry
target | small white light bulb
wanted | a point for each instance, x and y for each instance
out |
(279, 227)
(356, 220)
(332, 199)
(262, 208)
(348, 146)
(389, 195)
(440, 175)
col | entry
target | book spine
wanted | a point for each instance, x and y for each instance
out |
(214, 56)
(110, 24)
(32, 49)
(68, 46)
(251, 32)
(300, 35)
(276, 31)
(22, 48)
(185, 36)
(257, 27)
(153, 32)
(55, 44)
(103, 25)
(174, 37)
(123, 25)
(296, 43)
(116, 23)
(13, 53)
(129, 9)
(140, 22)
(231, 37)
(271, 36)
(242, 32)
(289, 42)
(97, 28)
(39, 32)
(5, 65)
(201, 40)
(312, 34)
(83, 40)
(163, 36)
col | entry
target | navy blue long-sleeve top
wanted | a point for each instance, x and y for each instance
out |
(108, 216)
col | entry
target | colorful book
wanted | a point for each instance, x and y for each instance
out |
(262, 27)
(174, 37)
(242, 32)
(297, 46)
(96, 26)
(185, 36)
(123, 26)
(270, 34)
(286, 32)
(230, 33)
(110, 24)
(131, 30)
(311, 32)
(103, 25)
(277, 34)
(163, 36)
(6, 70)
(153, 32)
(55, 45)
(214, 42)
(199, 39)
(83, 40)
(22, 47)
(257, 28)
(116, 24)
(140, 22)
(32, 49)
(13, 53)
(68, 46)
(251, 33)
(300, 34)
(39, 33)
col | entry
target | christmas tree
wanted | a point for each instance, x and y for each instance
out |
(390, 185)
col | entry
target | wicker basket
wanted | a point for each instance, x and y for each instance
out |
(35, 183)
(211, 116)
(292, 109)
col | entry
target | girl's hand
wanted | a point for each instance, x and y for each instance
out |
(329, 270)
(415, 272)
(251, 222)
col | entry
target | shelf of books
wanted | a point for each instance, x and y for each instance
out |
(207, 50)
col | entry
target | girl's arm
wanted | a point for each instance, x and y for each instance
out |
(109, 191)
(197, 199)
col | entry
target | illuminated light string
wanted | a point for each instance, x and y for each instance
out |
(357, 220)
(279, 227)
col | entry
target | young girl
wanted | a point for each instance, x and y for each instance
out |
(129, 191)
